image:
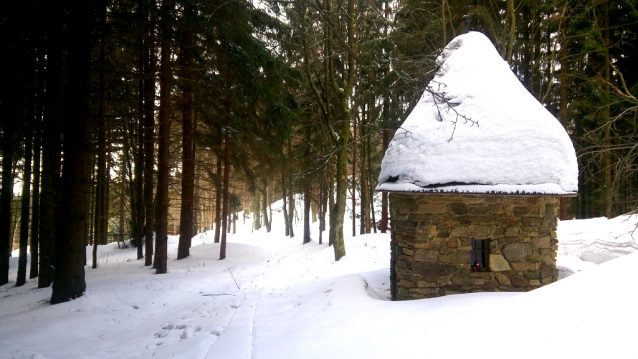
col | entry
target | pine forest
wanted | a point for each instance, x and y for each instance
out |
(124, 119)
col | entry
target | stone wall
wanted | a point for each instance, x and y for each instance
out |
(431, 243)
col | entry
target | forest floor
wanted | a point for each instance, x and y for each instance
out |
(273, 297)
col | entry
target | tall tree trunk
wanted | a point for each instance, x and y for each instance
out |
(188, 165)
(343, 135)
(50, 144)
(264, 208)
(26, 192)
(564, 100)
(8, 116)
(339, 208)
(373, 222)
(218, 200)
(6, 198)
(291, 209)
(306, 209)
(331, 196)
(284, 198)
(164, 133)
(225, 195)
(138, 198)
(70, 253)
(354, 177)
(234, 222)
(35, 206)
(323, 206)
(149, 132)
(607, 156)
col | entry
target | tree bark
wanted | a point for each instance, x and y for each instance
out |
(606, 112)
(291, 209)
(264, 207)
(225, 199)
(218, 200)
(138, 223)
(49, 201)
(306, 209)
(188, 165)
(37, 145)
(354, 178)
(284, 198)
(564, 101)
(8, 112)
(164, 133)
(69, 282)
(26, 195)
(343, 131)
(149, 133)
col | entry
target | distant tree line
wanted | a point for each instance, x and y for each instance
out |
(124, 120)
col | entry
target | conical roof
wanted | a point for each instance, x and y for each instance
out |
(476, 129)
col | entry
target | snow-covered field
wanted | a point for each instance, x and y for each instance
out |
(276, 298)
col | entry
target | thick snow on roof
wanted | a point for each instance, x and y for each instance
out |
(476, 129)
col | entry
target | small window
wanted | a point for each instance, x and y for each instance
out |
(479, 255)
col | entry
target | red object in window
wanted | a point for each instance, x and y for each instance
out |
(477, 266)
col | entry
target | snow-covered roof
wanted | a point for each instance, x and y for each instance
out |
(476, 129)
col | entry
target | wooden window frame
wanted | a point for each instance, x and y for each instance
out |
(480, 254)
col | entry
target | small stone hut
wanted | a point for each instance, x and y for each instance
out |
(475, 174)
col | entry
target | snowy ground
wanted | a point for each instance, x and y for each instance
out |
(275, 298)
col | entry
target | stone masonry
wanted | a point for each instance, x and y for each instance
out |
(431, 243)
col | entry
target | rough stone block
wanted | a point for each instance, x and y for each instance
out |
(519, 281)
(541, 242)
(446, 250)
(511, 231)
(406, 283)
(422, 255)
(516, 252)
(498, 208)
(403, 292)
(432, 208)
(483, 220)
(465, 220)
(438, 269)
(524, 266)
(480, 210)
(502, 279)
(425, 291)
(460, 257)
(462, 281)
(479, 232)
(425, 218)
(497, 232)
(498, 263)
(531, 221)
(424, 284)
(490, 286)
(459, 232)
(549, 261)
(459, 208)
